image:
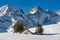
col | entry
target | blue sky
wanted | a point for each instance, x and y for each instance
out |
(28, 4)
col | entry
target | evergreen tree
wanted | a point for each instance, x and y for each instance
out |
(18, 27)
(39, 29)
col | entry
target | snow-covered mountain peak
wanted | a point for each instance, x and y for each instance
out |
(34, 10)
(4, 9)
(8, 5)
(10, 15)
(5, 6)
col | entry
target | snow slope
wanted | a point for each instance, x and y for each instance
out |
(49, 29)
(51, 32)
(11, 36)
(52, 29)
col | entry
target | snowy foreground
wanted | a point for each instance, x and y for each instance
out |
(51, 32)
(49, 29)
(13, 36)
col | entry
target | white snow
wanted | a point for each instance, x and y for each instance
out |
(13, 21)
(11, 29)
(32, 29)
(33, 10)
(3, 10)
(13, 36)
(52, 29)
(51, 32)
(49, 29)
(58, 22)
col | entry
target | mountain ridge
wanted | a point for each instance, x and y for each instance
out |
(10, 15)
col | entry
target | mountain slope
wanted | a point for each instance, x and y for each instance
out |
(48, 29)
(37, 14)
(10, 15)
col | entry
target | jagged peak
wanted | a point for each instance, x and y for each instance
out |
(7, 5)
(38, 7)
(3, 9)
(35, 9)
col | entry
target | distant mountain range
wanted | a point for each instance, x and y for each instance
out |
(10, 15)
